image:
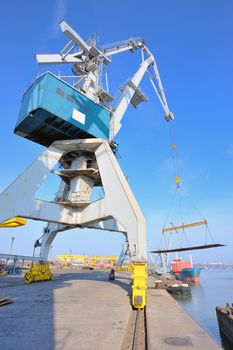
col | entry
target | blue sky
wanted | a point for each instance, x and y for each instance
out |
(192, 43)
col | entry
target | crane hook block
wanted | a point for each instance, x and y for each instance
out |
(169, 116)
(177, 180)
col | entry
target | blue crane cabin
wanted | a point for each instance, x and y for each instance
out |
(51, 110)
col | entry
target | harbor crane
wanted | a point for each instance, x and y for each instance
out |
(78, 123)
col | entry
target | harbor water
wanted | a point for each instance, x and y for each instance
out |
(215, 289)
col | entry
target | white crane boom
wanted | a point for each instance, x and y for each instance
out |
(56, 58)
(127, 45)
(76, 38)
(127, 95)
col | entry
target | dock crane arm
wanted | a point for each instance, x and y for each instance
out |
(129, 92)
(132, 93)
(127, 45)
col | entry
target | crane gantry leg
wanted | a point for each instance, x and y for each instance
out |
(85, 164)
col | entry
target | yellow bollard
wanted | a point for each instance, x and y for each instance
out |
(139, 285)
(39, 272)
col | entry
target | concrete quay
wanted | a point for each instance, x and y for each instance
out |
(170, 327)
(77, 310)
(83, 310)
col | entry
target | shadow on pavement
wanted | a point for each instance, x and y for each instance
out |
(28, 323)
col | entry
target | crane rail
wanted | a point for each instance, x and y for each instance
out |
(136, 335)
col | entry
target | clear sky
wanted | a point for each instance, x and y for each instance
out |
(193, 46)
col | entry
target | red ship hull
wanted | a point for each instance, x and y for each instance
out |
(184, 271)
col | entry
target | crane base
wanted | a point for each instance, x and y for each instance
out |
(40, 272)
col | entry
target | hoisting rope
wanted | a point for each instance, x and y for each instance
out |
(174, 154)
(177, 178)
(155, 80)
(179, 193)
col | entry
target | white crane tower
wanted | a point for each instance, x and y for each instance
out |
(83, 145)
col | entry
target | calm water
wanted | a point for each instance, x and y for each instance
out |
(215, 289)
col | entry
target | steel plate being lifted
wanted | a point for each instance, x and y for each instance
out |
(206, 246)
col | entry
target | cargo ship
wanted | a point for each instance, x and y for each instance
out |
(184, 270)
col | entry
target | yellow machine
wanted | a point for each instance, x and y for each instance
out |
(66, 258)
(111, 259)
(13, 222)
(139, 285)
(38, 272)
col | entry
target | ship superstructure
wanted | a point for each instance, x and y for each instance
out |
(184, 270)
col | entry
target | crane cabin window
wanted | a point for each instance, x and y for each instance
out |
(60, 92)
(70, 98)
